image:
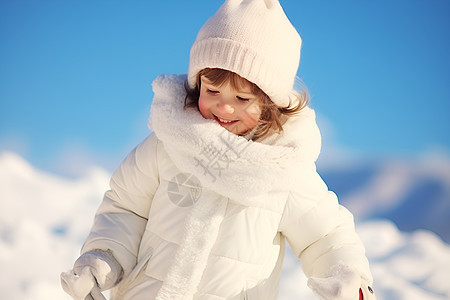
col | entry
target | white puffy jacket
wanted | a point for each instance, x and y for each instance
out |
(195, 212)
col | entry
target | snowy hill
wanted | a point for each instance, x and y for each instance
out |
(45, 218)
(413, 194)
(43, 222)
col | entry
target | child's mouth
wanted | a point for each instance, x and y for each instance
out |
(225, 122)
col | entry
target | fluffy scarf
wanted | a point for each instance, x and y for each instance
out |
(227, 166)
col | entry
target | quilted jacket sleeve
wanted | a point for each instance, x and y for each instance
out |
(320, 231)
(121, 219)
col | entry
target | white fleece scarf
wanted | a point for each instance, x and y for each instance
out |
(227, 166)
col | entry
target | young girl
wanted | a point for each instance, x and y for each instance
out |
(201, 209)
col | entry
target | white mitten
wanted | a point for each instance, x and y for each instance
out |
(342, 283)
(93, 272)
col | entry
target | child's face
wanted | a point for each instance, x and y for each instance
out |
(236, 111)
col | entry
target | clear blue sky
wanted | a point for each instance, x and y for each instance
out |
(75, 75)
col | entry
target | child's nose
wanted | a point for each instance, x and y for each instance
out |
(226, 107)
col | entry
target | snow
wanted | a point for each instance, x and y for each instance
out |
(43, 222)
(414, 193)
(44, 219)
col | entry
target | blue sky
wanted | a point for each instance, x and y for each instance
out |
(75, 75)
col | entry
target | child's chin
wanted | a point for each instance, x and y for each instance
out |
(238, 132)
(232, 130)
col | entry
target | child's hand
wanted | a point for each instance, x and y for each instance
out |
(93, 272)
(342, 284)
(81, 286)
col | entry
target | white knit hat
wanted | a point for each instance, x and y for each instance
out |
(254, 39)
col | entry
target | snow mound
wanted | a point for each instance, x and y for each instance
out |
(414, 194)
(45, 218)
(43, 222)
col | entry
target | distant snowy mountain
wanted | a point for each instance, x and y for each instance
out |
(413, 194)
(45, 218)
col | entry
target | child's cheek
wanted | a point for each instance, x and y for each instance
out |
(203, 107)
(254, 111)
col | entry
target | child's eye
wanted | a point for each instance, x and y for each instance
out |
(212, 92)
(242, 99)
